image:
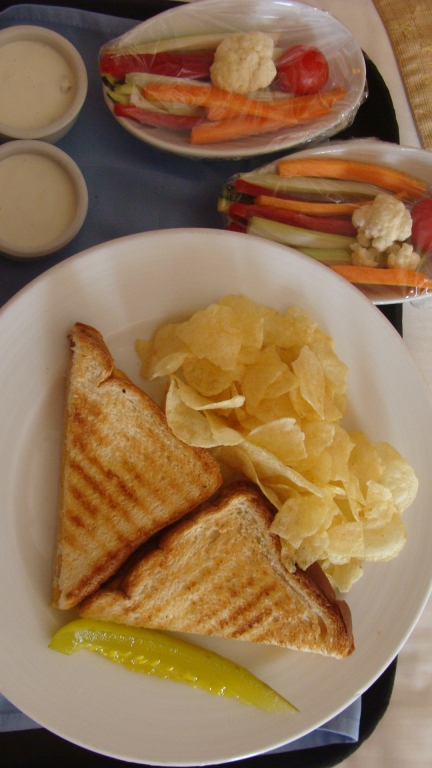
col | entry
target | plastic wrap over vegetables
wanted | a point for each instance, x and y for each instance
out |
(361, 207)
(223, 79)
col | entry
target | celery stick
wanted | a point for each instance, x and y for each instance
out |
(173, 109)
(141, 79)
(208, 41)
(189, 43)
(124, 88)
(296, 236)
(328, 255)
(119, 98)
(304, 184)
(223, 204)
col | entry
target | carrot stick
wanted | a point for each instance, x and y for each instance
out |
(234, 128)
(301, 108)
(178, 92)
(306, 206)
(376, 276)
(220, 112)
(293, 109)
(340, 168)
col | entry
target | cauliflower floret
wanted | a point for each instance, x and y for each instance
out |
(364, 257)
(402, 257)
(363, 240)
(243, 62)
(384, 221)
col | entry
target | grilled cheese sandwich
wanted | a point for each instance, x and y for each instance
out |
(219, 572)
(125, 476)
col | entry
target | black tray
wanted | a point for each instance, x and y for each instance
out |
(41, 749)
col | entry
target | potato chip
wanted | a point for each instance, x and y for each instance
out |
(282, 437)
(237, 458)
(347, 511)
(164, 354)
(222, 433)
(335, 371)
(379, 506)
(268, 465)
(354, 494)
(272, 408)
(282, 488)
(248, 355)
(364, 460)
(302, 409)
(302, 516)
(318, 435)
(312, 549)
(340, 403)
(207, 378)
(345, 541)
(186, 423)
(340, 451)
(266, 392)
(248, 318)
(285, 382)
(213, 333)
(260, 375)
(305, 411)
(199, 403)
(397, 475)
(295, 328)
(342, 577)
(317, 469)
(245, 420)
(386, 542)
(310, 374)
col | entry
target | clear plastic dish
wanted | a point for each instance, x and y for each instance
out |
(291, 24)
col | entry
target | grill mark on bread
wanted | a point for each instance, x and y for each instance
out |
(89, 506)
(159, 490)
(252, 607)
(125, 475)
(219, 573)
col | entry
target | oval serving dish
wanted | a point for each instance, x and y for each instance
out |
(290, 23)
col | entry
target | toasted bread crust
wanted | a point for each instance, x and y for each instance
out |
(125, 475)
(219, 572)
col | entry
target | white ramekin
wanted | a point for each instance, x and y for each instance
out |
(55, 130)
(50, 245)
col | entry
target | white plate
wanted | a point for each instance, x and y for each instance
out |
(417, 162)
(297, 23)
(125, 288)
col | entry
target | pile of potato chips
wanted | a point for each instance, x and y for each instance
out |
(266, 393)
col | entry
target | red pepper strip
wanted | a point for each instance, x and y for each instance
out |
(189, 65)
(254, 189)
(175, 122)
(247, 188)
(235, 226)
(242, 212)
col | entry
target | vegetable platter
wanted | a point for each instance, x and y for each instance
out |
(217, 79)
(362, 207)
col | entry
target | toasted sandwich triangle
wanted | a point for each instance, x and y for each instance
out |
(219, 572)
(125, 476)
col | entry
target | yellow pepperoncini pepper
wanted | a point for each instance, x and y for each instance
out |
(157, 653)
